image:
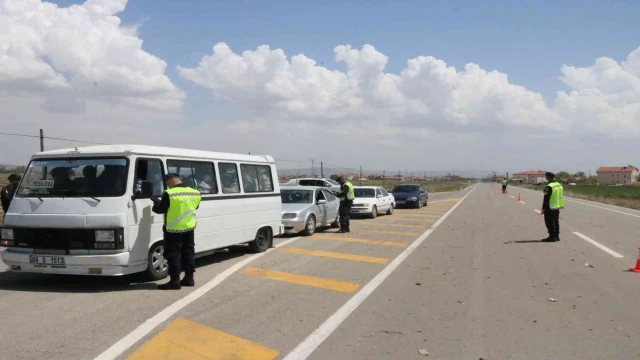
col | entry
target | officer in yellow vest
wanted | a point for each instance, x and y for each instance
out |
(551, 205)
(504, 185)
(178, 204)
(346, 196)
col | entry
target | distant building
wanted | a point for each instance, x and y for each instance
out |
(617, 175)
(529, 177)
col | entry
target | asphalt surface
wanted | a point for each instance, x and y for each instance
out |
(473, 284)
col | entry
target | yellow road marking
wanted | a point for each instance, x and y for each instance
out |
(388, 232)
(385, 224)
(184, 339)
(412, 218)
(335, 255)
(363, 241)
(336, 285)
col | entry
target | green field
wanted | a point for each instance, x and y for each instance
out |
(627, 196)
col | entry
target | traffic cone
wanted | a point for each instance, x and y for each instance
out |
(637, 268)
(519, 198)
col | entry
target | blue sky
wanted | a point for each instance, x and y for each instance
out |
(264, 104)
(528, 40)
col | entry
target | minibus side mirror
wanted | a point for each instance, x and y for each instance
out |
(146, 190)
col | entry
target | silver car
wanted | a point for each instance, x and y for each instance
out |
(306, 208)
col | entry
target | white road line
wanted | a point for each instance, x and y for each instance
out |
(522, 202)
(512, 197)
(311, 343)
(128, 341)
(569, 199)
(598, 245)
(538, 211)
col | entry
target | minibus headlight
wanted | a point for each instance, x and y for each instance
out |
(6, 234)
(105, 236)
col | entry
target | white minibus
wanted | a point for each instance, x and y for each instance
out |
(86, 211)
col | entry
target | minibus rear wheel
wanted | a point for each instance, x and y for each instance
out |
(157, 265)
(263, 241)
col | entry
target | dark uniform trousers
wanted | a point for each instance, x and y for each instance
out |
(180, 253)
(345, 212)
(552, 221)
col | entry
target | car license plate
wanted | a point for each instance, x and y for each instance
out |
(400, 202)
(46, 260)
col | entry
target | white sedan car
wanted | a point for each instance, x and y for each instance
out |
(372, 200)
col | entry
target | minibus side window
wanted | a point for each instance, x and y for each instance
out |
(149, 170)
(229, 178)
(199, 175)
(256, 178)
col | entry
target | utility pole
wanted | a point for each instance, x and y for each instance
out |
(384, 177)
(313, 169)
(41, 140)
(360, 175)
(322, 169)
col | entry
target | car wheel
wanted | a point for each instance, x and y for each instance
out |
(157, 264)
(374, 212)
(419, 204)
(336, 224)
(262, 242)
(390, 211)
(310, 226)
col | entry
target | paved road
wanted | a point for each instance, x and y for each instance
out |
(461, 279)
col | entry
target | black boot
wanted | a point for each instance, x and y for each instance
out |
(342, 229)
(173, 284)
(557, 237)
(188, 280)
(549, 239)
(348, 228)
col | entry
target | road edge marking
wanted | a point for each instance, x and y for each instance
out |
(571, 199)
(311, 343)
(598, 245)
(143, 330)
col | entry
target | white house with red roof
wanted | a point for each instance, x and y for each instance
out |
(617, 175)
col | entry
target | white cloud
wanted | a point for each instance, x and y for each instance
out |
(605, 97)
(80, 53)
(426, 94)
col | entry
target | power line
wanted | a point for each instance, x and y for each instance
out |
(53, 138)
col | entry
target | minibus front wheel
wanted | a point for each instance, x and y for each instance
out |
(157, 265)
(263, 241)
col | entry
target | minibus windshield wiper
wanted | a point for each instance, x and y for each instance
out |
(36, 195)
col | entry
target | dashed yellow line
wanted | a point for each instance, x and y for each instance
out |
(335, 255)
(362, 241)
(184, 339)
(379, 223)
(323, 283)
(401, 233)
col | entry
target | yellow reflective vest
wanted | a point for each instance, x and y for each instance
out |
(556, 200)
(181, 216)
(350, 193)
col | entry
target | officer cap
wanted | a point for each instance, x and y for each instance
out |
(171, 176)
(550, 174)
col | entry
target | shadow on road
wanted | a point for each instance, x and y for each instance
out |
(527, 241)
(30, 282)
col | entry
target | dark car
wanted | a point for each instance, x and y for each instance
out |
(410, 195)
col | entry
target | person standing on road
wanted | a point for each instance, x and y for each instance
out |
(179, 204)
(504, 185)
(346, 196)
(7, 192)
(551, 204)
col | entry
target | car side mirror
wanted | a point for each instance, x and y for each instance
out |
(328, 185)
(320, 202)
(146, 190)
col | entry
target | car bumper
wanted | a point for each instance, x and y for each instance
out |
(105, 265)
(400, 203)
(361, 210)
(293, 226)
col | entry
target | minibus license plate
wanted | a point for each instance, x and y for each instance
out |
(48, 260)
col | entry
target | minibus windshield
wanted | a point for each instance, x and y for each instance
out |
(75, 177)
